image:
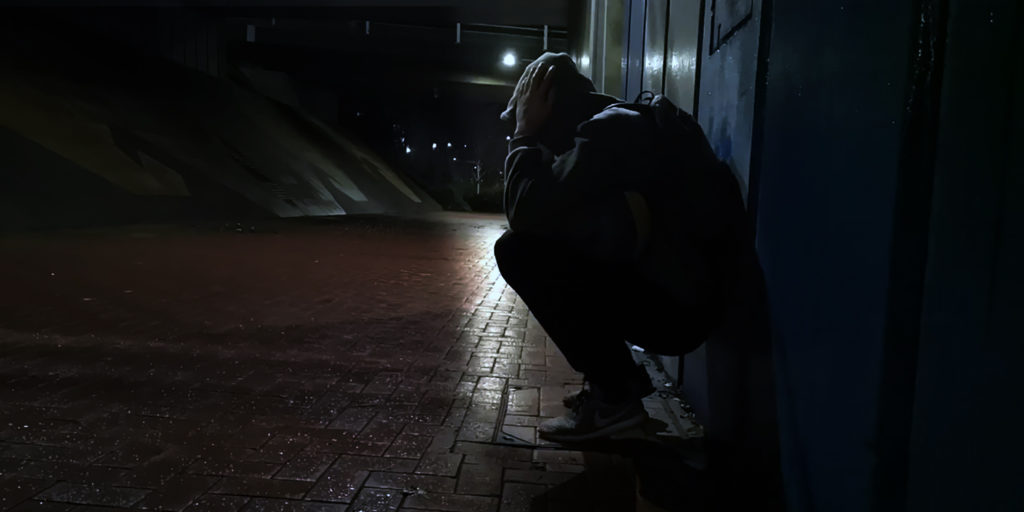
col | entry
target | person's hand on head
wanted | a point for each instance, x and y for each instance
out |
(534, 103)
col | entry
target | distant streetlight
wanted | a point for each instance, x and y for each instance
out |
(449, 144)
(509, 59)
(408, 150)
(433, 146)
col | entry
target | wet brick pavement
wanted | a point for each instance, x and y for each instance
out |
(352, 364)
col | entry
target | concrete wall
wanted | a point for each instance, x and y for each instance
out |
(728, 72)
(724, 106)
(730, 378)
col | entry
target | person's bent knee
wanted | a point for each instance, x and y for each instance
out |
(519, 255)
(503, 245)
(506, 251)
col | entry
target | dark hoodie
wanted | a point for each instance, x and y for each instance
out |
(596, 179)
(567, 182)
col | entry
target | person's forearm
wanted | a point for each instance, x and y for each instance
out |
(552, 203)
(529, 187)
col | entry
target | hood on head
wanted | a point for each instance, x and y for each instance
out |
(569, 82)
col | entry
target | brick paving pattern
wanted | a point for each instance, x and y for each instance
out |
(354, 365)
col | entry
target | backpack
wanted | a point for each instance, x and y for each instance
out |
(710, 190)
(698, 233)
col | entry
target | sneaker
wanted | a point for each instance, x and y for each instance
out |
(593, 419)
(640, 384)
(573, 400)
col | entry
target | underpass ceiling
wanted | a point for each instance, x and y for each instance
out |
(337, 46)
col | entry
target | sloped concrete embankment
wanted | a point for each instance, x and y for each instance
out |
(86, 140)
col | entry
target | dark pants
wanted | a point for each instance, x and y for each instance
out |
(588, 308)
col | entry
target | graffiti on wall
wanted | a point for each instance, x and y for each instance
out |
(727, 18)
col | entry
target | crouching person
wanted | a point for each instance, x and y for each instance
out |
(623, 226)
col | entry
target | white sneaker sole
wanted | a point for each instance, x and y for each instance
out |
(603, 432)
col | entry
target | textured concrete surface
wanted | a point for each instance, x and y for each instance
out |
(352, 364)
(86, 140)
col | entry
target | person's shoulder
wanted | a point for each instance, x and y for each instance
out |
(617, 120)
